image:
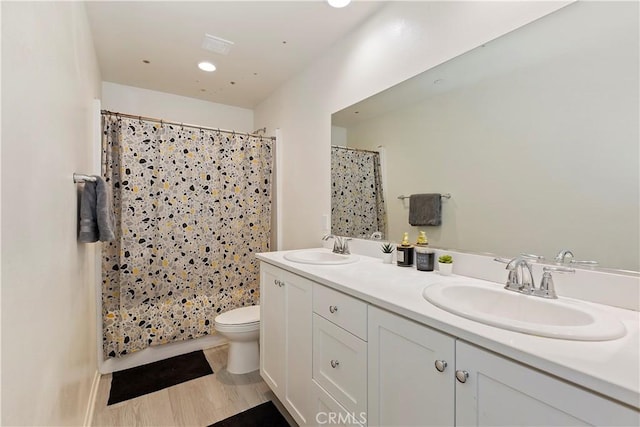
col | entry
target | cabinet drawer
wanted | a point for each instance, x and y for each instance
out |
(327, 411)
(340, 364)
(345, 311)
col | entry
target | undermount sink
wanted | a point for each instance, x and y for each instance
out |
(319, 257)
(495, 306)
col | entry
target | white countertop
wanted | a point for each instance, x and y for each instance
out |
(611, 368)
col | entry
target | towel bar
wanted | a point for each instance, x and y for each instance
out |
(444, 196)
(78, 178)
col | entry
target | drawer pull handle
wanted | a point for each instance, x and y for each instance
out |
(335, 363)
(441, 365)
(333, 308)
(462, 376)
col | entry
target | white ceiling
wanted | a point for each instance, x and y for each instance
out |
(273, 41)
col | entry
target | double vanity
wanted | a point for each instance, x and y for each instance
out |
(348, 340)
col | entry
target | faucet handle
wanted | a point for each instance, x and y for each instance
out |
(532, 256)
(588, 263)
(345, 245)
(547, 288)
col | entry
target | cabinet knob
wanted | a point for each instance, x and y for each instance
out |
(335, 363)
(333, 308)
(462, 376)
(441, 365)
(279, 282)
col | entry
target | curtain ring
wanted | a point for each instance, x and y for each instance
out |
(161, 123)
(140, 119)
(181, 126)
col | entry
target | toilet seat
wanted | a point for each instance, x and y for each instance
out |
(237, 328)
(241, 317)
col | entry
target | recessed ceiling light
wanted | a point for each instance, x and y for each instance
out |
(338, 3)
(206, 66)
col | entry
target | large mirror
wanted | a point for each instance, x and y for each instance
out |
(535, 136)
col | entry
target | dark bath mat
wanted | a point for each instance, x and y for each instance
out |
(155, 376)
(264, 415)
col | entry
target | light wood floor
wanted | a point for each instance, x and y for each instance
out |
(198, 402)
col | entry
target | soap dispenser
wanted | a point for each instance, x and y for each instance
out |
(404, 252)
(425, 257)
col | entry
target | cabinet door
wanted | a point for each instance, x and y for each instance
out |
(298, 315)
(501, 392)
(272, 330)
(405, 388)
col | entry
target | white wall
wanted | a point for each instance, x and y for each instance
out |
(49, 80)
(400, 41)
(150, 103)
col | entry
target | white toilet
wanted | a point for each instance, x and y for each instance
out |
(241, 327)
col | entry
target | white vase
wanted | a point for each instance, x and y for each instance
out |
(445, 269)
(387, 258)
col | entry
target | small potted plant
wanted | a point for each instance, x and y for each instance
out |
(387, 253)
(445, 265)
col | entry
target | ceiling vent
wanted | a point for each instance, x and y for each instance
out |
(216, 44)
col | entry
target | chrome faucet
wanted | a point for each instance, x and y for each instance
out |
(565, 256)
(376, 235)
(520, 276)
(340, 244)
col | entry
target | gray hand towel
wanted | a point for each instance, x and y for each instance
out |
(104, 211)
(96, 214)
(425, 209)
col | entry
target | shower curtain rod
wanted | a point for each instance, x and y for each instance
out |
(168, 122)
(355, 149)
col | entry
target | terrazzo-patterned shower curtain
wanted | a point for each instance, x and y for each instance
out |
(192, 208)
(357, 200)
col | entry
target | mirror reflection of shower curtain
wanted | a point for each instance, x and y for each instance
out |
(357, 200)
(192, 206)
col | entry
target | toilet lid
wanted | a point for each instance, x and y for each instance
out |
(240, 316)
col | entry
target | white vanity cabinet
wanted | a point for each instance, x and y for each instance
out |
(285, 338)
(335, 359)
(405, 385)
(501, 392)
(410, 385)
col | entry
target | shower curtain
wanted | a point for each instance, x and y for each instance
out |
(192, 208)
(357, 200)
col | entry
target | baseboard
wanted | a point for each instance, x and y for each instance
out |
(160, 352)
(88, 416)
